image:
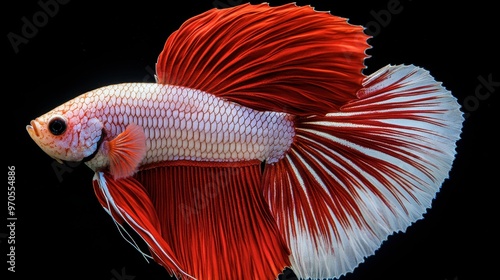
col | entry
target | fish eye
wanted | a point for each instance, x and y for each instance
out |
(57, 125)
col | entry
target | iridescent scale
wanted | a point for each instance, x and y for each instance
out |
(187, 124)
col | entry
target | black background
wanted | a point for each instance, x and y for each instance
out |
(63, 233)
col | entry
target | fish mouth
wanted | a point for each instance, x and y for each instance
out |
(32, 128)
(34, 131)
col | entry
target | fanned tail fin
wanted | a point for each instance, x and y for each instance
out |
(354, 177)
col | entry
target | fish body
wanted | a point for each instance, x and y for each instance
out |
(262, 146)
(177, 124)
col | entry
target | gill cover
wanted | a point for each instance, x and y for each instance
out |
(65, 137)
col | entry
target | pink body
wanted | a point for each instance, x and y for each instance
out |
(181, 124)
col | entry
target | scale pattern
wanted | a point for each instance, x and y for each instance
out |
(186, 124)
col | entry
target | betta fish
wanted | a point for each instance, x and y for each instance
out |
(261, 146)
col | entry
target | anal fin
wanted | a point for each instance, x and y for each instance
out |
(214, 217)
(127, 202)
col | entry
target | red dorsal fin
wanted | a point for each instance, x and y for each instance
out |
(286, 59)
(214, 217)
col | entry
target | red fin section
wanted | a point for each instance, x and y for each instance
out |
(127, 201)
(356, 176)
(126, 151)
(285, 59)
(215, 218)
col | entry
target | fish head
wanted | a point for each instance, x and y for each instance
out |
(66, 135)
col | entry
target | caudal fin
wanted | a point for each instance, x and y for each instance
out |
(354, 177)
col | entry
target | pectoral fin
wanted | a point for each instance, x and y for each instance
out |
(126, 151)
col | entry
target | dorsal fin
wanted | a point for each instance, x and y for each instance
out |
(286, 59)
